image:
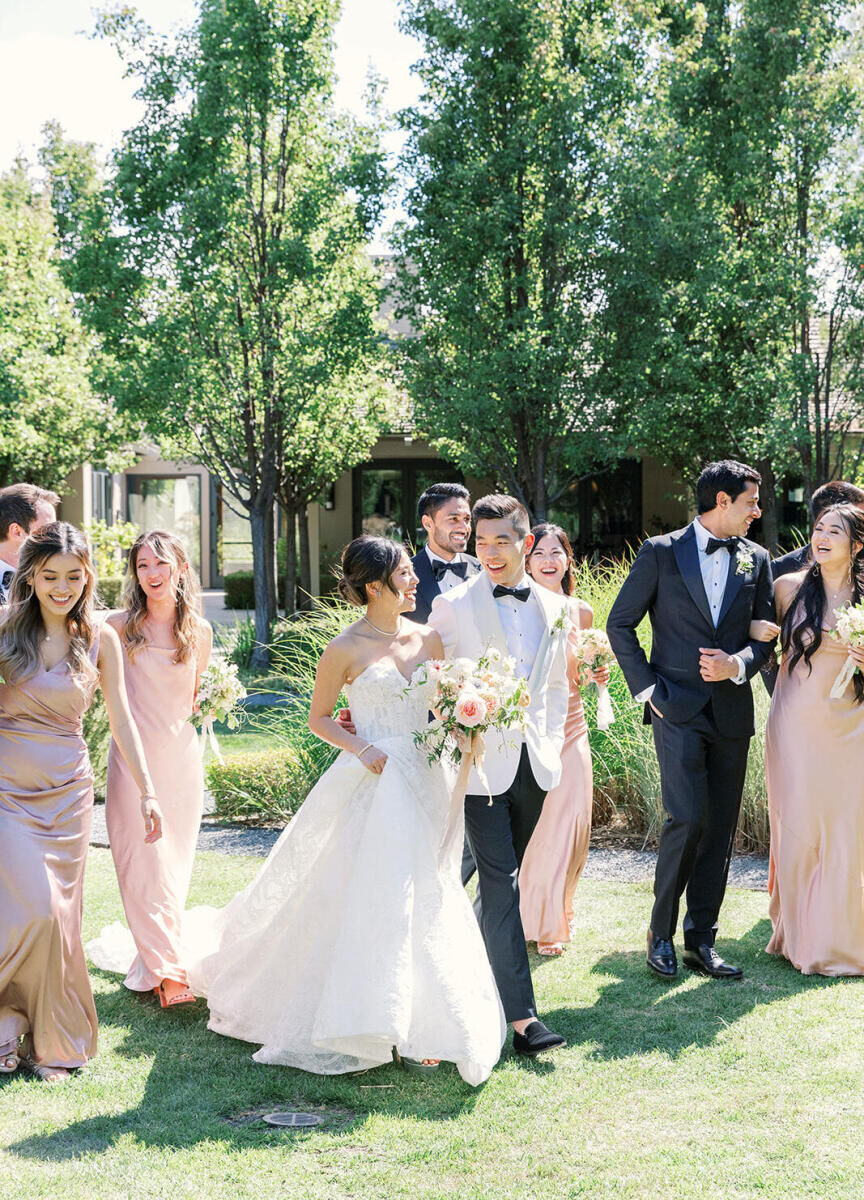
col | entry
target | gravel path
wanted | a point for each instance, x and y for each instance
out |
(628, 866)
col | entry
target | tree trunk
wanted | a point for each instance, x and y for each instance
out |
(261, 521)
(769, 506)
(290, 561)
(305, 560)
(272, 569)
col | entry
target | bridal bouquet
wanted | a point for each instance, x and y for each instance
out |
(849, 631)
(219, 694)
(593, 651)
(470, 698)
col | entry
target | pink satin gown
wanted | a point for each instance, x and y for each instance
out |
(814, 755)
(558, 849)
(46, 808)
(154, 879)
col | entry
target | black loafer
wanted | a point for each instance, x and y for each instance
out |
(536, 1039)
(705, 960)
(661, 956)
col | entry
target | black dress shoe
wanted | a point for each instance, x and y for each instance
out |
(537, 1038)
(706, 961)
(661, 956)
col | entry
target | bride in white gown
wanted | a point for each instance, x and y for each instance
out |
(356, 936)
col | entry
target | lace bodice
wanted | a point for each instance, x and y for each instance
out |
(381, 705)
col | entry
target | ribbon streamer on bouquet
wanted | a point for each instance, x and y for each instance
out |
(456, 817)
(208, 736)
(843, 679)
(605, 711)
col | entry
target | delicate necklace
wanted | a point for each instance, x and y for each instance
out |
(385, 632)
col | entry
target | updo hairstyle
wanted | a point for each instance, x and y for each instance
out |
(368, 560)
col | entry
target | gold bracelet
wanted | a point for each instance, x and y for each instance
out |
(368, 746)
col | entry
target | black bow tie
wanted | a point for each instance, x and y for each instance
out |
(440, 569)
(521, 593)
(6, 579)
(730, 544)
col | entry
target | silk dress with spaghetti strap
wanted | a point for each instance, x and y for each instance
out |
(46, 807)
(558, 849)
(814, 756)
(154, 878)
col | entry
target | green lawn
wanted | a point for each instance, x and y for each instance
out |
(698, 1089)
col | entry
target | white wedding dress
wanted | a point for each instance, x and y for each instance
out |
(357, 936)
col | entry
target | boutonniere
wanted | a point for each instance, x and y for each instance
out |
(743, 561)
(563, 622)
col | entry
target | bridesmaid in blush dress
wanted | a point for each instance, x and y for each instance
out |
(166, 646)
(558, 848)
(52, 658)
(814, 754)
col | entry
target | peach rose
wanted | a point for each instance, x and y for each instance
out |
(470, 710)
(524, 698)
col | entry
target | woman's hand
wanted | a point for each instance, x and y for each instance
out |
(600, 676)
(763, 631)
(373, 759)
(152, 819)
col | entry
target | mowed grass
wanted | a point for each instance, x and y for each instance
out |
(701, 1089)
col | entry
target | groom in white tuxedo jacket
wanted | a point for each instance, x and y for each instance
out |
(503, 608)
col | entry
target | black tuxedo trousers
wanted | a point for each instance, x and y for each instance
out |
(498, 835)
(702, 775)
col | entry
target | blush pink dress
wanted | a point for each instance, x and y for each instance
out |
(558, 849)
(46, 808)
(154, 879)
(814, 757)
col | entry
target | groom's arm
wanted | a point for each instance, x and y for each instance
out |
(635, 599)
(443, 619)
(755, 654)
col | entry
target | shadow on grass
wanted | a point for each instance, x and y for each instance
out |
(200, 1087)
(637, 1013)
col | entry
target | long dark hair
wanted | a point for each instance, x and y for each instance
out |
(24, 628)
(368, 559)
(547, 529)
(801, 636)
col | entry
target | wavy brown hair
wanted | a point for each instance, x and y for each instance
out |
(24, 628)
(801, 631)
(547, 529)
(187, 596)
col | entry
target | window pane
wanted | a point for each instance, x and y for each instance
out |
(381, 502)
(173, 504)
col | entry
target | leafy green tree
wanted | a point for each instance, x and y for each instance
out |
(244, 203)
(728, 216)
(514, 150)
(51, 420)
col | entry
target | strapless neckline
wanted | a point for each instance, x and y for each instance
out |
(389, 662)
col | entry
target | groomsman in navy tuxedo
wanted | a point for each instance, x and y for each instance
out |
(24, 509)
(444, 511)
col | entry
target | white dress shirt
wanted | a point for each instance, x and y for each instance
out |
(524, 626)
(4, 567)
(715, 574)
(448, 580)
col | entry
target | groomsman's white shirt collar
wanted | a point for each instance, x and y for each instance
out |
(715, 573)
(447, 580)
(523, 625)
(4, 567)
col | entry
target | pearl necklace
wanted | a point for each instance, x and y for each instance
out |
(385, 632)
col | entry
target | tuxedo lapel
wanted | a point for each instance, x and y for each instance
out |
(686, 551)
(734, 584)
(427, 584)
(551, 606)
(486, 616)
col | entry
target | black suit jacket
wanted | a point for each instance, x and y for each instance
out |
(795, 560)
(427, 584)
(665, 582)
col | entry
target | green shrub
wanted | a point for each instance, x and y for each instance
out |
(97, 735)
(109, 590)
(239, 590)
(237, 642)
(269, 785)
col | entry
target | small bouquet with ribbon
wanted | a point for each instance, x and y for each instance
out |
(850, 631)
(593, 651)
(219, 694)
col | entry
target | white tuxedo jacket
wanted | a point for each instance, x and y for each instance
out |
(467, 620)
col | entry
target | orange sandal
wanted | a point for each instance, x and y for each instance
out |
(166, 1001)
